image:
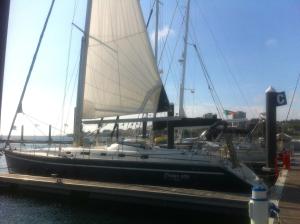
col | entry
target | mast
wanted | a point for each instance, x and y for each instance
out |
(181, 99)
(4, 14)
(78, 137)
(144, 131)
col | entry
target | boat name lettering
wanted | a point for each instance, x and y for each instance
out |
(176, 176)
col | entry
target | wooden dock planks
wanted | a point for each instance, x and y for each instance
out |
(290, 201)
(193, 199)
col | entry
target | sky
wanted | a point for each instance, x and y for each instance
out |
(246, 46)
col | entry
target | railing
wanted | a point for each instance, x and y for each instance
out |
(147, 153)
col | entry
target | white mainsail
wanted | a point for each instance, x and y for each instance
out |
(121, 73)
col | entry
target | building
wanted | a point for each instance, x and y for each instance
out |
(239, 115)
(238, 119)
(210, 115)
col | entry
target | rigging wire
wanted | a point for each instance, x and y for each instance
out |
(175, 79)
(150, 14)
(214, 95)
(67, 69)
(221, 53)
(169, 31)
(288, 113)
(29, 72)
(40, 121)
(36, 126)
(213, 92)
(74, 80)
(171, 59)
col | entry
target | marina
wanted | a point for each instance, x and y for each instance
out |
(106, 46)
(284, 194)
(108, 114)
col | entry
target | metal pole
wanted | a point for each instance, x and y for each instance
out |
(4, 15)
(170, 128)
(22, 133)
(144, 132)
(144, 127)
(50, 136)
(29, 73)
(78, 138)
(156, 31)
(181, 99)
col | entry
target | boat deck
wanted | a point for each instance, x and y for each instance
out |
(182, 198)
(127, 153)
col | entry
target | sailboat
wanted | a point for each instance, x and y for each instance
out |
(119, 76)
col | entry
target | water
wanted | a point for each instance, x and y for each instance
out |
(31, 208)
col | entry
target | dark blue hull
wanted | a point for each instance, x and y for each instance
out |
(134, 172)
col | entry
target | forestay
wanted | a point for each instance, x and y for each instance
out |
(121, 74)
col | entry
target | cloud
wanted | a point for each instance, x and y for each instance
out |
(162, 34)
(272, 42)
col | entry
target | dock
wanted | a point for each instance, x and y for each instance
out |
(289, 199)
(180, 198)
(32, 141)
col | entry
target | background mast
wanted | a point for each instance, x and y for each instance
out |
(156, 31)
(181, 99)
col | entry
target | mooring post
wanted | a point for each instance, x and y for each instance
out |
(271, 146)
(273, 99)
(170, 128)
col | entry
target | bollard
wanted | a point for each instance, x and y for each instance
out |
(259, 205)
